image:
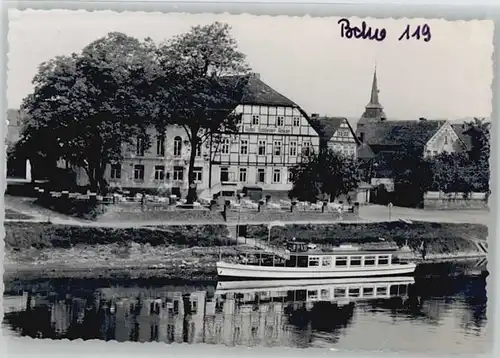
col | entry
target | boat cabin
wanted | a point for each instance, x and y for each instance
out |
(344, 256)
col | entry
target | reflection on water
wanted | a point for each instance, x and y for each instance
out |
(444, 315)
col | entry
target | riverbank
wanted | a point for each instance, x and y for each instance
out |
(191, 251)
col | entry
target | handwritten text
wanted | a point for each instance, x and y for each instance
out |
(366, 32)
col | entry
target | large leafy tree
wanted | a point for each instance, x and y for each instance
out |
(325, 174)
(213, 79)
(87, 107)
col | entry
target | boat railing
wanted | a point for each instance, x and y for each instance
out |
(269, 248)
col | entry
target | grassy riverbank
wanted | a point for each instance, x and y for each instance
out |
(191, 251)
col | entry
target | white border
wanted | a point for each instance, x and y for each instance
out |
(467, 10)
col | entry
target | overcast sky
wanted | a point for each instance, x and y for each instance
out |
(304, 58)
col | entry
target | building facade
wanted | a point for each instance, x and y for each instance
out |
(274, 133)
(336, 134)
(162, 166)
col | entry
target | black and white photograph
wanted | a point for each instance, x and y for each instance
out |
(242, 180)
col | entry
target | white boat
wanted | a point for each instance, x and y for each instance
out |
(300, 262)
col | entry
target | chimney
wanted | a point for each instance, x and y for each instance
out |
(422, 119)
(255, 74)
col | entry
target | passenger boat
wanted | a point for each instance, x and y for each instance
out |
(300, 261)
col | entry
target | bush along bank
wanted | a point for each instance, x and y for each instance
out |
(439, 238)
(19, 235)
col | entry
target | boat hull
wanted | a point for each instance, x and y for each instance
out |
(239, 271)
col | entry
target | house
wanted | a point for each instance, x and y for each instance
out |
(336, 133)
(379, 137)
(17, 167)
(273, 134)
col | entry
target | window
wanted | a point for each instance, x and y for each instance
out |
(224, 174)
(225, 146)
(116, 171)
(261, 175)
(367, 291)
(244, 147)
(296, 121)
(160, 146)
(326, 261)
(277, 176)
(277, 148)
(312, 294)
(280, 121)
(177, 146)
(355, 261)
(445, 139)
(383, 260)
(290, 177)
(159, 172)
(339, 292)
(341, 261)
(354, 292)
(139, 151)
(293, 148)
(381, 290)
(243, 175)
(325, 294)
(313, 261)
(139, 172)
(306, 148)
(198, 174)
(262, 147)
(198, 147)
(370, 261)
(178, 173)
(255, 120)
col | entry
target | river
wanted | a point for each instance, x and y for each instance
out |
(438, 311)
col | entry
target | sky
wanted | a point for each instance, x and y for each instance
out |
(304, 58)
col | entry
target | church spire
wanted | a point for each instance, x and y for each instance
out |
(374, 110)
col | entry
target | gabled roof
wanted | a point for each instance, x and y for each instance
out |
(259, 93)
(326, 127)
(398, 133)
(459, 129)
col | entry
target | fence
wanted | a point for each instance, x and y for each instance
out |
(455, 201)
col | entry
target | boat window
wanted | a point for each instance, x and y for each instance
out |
(325, 294)
(326, 261)
(292, 262)
(312, 294)
(393, 290)
(341, 261)
(339, 292)
(354, 292)
(403, 289)
(369, 260)
(313, 261)
(383, 260)
(355, 261)
(301, 261)
(381, 290)
(367, 291)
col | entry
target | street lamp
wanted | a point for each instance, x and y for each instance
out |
(240, 195)
(390, 207)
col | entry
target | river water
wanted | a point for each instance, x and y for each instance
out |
(442, 314)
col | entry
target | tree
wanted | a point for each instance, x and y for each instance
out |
(451, 172)
(213, 72)
(479, 132)
(87, 107)
(328, 173)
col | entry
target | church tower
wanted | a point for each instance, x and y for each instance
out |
(374, 111)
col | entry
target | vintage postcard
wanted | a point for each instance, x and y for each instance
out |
(242, 181)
